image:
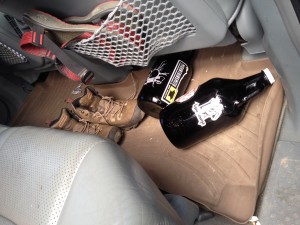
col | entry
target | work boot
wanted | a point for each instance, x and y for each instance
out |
(70, 122)
(104, 110)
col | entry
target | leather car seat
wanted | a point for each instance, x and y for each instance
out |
(55, 177)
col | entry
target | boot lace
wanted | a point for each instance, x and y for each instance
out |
(112, 108)
(91, 128)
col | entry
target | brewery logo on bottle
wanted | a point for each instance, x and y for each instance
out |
(171, 90)
(156, 75)
(211, 109)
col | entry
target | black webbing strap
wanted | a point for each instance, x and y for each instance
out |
(63, 61)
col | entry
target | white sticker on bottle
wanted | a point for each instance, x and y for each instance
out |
(157, 76)
(186, 96)
(212, 109)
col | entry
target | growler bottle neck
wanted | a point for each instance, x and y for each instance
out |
(255, 84)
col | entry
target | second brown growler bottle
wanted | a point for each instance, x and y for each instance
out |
(215, 105)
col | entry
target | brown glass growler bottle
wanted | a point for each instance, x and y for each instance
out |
(168, 79)
(212, 107)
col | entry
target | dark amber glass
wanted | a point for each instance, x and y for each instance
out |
(168, 79)
(212, 107)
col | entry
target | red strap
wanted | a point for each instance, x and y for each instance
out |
(27, 46)
(64, 70)
(32, 42)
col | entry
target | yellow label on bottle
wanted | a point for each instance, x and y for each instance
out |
(171, 90)
(171, 95)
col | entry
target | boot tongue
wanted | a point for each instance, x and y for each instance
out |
(103, 106)
(86, 99)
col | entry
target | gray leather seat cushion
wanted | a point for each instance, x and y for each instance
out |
(55, 177)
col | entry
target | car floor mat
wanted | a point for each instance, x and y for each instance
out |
(226, 172)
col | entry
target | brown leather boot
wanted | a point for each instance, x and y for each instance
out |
(70, 122)
(104, 110)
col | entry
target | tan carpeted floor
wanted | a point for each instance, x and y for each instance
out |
(224, 173)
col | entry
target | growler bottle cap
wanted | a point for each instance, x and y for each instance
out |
(269, 75)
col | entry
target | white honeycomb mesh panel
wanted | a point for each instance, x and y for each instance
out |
(135, 31)
(37, 168)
